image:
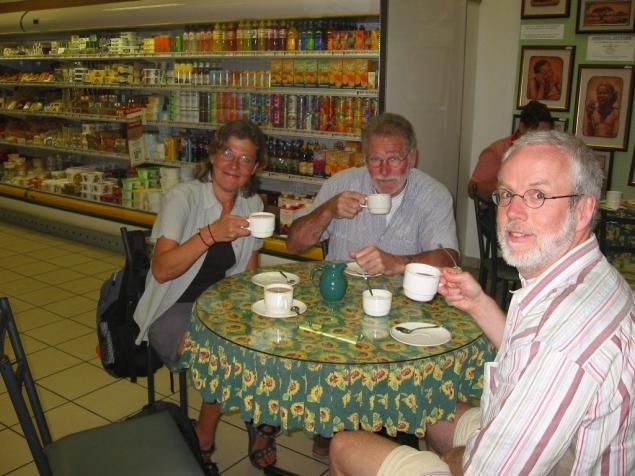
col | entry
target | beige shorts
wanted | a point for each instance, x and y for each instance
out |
(406, 461)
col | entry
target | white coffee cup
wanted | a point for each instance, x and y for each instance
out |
(613, 199)
(278, 297)
(420, 281)
(378, 203)
(261, 224)
(378, 304)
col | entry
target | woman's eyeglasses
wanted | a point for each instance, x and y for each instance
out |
(229, 156)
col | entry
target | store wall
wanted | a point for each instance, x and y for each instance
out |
(491, 55)
(424, 78)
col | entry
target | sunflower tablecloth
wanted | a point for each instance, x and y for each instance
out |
(276, 373)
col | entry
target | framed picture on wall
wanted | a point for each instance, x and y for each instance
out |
(559, 124)
(598, 16)
(631, 177)
(545, 75)
(603, 106)
(605, 159)
(544, 8)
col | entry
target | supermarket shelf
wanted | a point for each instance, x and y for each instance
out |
(344, 92)
(67, 115)
(361, 54)
(79, 205)
(291, 178)
(83, 152)
(275, 245)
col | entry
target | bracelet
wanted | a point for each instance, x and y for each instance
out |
(209, 228)
(201, 237)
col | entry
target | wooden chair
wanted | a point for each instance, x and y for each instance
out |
(491, 265)
(145, 445)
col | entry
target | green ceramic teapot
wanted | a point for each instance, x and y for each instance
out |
(332, 284)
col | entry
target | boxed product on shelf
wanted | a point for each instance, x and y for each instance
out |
(276, 72)
(311, 73)
(287, 72)
(335, 73)
(324, 67)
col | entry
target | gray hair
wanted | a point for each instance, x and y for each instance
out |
(586, 176)
(389, 124)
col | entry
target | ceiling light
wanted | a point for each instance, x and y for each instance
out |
(161, 5)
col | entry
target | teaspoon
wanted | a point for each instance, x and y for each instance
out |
(405, 330)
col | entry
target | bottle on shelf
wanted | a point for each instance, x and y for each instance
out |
(240, 36)
(269, 35)
(216, 37)
(261, 36)
(281, 37)
(292, 37)
(310, 37)
(253, 36)
(320, 36)
(231, 37)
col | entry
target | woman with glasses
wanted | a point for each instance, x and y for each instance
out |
(200, 237)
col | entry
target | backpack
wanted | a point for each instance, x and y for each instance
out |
(116, 328)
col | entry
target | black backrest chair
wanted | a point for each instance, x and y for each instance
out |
(146, 445)
(137, 268)
(490, 263)
(624, 243)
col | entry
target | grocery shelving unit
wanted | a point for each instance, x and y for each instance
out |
(234, 59)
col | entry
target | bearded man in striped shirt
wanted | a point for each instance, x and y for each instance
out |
(560, 396)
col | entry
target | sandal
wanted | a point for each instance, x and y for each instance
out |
(264, 431)
(209, 467)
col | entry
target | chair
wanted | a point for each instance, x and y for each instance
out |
(624, 226)
(490, 263)
(146, 445)
(137, 267)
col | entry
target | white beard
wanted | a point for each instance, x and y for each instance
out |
(549, 247)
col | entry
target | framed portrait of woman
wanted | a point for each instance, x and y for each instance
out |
(544, 8)
(606, 16)
(545, 76)
(603, 106)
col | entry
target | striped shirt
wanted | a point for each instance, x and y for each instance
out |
(563, 382)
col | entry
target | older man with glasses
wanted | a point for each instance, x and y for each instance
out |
(560, 396)
(419, 223)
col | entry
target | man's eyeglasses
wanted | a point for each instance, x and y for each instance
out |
(229, 156)
(393, 160)
(533, 198)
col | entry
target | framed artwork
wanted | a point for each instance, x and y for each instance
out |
(631, 178)
(545, 75)
(610, 16)
(605, 159)
(544, 8)
(603, 106)
(559, 124)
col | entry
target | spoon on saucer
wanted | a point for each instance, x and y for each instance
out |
(405, 330)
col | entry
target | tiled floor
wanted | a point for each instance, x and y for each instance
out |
(53, 284)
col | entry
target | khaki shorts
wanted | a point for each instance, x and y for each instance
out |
(406, 461)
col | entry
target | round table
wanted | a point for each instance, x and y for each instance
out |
(276, 373)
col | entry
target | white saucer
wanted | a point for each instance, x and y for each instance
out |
(423, 337)
(260, 309)
(354, 269)
(274, 277)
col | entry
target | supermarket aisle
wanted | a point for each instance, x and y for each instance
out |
(52, 284)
